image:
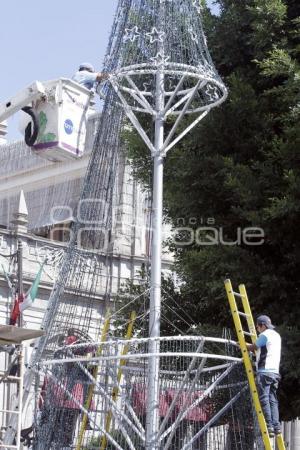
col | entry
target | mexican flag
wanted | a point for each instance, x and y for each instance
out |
(32, 293)
(16, 310)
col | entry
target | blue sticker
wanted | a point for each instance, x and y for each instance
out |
(68, 126)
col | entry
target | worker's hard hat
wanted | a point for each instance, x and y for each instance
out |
(87, 66)
(265, 320)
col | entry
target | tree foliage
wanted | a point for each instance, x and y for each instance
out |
(240, 167)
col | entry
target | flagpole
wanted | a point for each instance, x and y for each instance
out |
(20, 278)
(20, 346)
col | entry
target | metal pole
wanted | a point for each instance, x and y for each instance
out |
(21, 347)
(152, 419)
(20, 277)
(20, 266)
(20, 399)
(155, 295)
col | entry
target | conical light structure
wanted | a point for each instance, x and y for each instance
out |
(163, 36)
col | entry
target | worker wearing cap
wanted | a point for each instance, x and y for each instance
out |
(87, 77)
(268, 353)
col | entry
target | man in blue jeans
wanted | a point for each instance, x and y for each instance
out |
(268, 353)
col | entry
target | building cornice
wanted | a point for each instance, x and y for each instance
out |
(39, 177)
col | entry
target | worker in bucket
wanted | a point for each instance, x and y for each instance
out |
(268, 353)
(87, 77)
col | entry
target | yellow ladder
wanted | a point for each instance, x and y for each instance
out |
(116, 389)
(91, 389)
(242, 334)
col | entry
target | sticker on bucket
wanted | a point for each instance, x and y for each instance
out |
(68, 125)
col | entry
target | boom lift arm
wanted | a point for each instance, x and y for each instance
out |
(21, 101)
(33, 92)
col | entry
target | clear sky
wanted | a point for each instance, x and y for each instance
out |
(46, 40)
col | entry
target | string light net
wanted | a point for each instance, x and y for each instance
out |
(166, 37)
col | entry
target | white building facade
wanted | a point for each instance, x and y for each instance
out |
(40, 221)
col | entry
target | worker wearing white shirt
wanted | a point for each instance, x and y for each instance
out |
(268, 353)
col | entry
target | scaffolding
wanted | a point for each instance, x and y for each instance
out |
(11, 342)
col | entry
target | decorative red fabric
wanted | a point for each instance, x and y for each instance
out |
(201, 412)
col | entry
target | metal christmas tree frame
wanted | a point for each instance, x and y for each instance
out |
(164, 71)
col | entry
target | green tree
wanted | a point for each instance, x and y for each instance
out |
(240, 166)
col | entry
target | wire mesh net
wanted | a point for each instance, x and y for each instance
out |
(94, 402)
(141, 26)
(154, 34)
(93, 231)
